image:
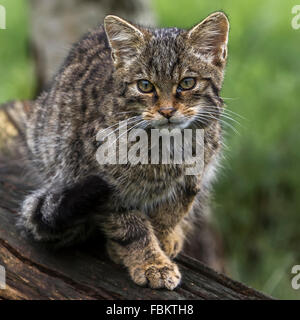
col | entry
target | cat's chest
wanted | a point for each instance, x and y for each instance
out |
(146, 187)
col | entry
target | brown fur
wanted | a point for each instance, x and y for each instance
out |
(151, 207)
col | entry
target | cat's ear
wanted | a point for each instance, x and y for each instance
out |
(125, 39)
(210, 37)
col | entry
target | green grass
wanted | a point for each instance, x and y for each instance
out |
(16, 68)
(257, 200)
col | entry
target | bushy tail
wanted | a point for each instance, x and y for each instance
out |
(13, 118)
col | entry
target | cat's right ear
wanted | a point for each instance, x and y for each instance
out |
(125, 39)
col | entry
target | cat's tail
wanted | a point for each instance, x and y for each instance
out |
(13, 118)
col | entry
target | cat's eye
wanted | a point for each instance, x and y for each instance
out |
(187, 83)
(145, 86)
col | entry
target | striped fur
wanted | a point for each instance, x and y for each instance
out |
(145, 211)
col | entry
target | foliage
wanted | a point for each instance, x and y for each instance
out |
(16, 68)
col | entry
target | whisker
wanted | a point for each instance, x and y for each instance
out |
(235, 114)
(103, 130)
(146, 124)
(221, 141)
(228, 111)
(230, 118)
(200, 120)
(125, 112)
(123, 125)
(232, 113)
(222, 115)
(223, 98)
(222, 121)
(119, 136)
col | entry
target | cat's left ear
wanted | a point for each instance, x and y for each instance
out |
(125, 39)
(209, 38)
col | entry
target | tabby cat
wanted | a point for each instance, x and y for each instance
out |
(154, 78)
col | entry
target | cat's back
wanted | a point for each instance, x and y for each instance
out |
(91, 49)
(74, 97)
(83, 75)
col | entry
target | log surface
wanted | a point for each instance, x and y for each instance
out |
(33, 271)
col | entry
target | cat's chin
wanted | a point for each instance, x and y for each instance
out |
(171, 125)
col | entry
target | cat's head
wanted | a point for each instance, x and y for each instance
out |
(170, 77)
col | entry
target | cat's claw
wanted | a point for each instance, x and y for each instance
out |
(157, 276)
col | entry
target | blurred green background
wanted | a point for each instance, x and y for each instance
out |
(16, 67)
(257, 196)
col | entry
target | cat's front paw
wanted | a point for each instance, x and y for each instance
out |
(156, 275)
(172, 243)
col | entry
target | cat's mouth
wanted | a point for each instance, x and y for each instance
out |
(170, 124)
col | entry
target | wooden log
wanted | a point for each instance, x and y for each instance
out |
(33, 271)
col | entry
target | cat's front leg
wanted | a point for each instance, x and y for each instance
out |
(172, 242)
(133, 243)
(170, 225)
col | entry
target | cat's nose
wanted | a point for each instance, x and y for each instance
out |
(167, 112)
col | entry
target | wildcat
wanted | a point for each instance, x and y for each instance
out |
(154, 78)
